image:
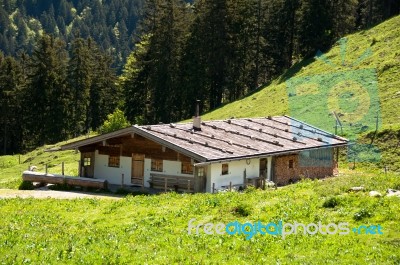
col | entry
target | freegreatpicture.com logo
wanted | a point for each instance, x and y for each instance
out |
(281, 228)
(350, 101)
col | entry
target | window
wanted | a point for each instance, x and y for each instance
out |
(187, 168)
(290, 163)
(200, 172)
(86, 161)
(113, 161)
(225, 169)
(316, 158)
(156, 165)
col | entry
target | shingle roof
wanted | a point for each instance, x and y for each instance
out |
(232, 138)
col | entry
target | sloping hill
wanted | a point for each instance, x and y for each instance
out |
(358, 67)
(11, 167)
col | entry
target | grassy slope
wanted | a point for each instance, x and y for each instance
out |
(11, 170)
(153, 229)
(384, 42)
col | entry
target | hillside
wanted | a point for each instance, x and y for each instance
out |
(11, 167)
(384, 43)
(365, 83)
(112, 24)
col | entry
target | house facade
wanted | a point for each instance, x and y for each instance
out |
(212, 155)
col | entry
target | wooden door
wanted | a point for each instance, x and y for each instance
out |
(137, 177)
(200, 179)
(88, 164)
(263, 167)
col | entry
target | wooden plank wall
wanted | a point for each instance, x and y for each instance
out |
(128, 145)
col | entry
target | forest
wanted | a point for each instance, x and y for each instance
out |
(65, 65)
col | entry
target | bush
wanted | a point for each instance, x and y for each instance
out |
(26, 185)
(331, 202)
(242, 210)
(122, 191)
(250, 188)
(114, 122)
(361, 215)
(61, 187)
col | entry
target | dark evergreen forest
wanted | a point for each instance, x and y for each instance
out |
(65, 65)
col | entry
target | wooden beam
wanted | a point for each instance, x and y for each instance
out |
(56, 179)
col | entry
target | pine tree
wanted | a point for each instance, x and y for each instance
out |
(11, 85)
(105, 95)
(79, 83)
(314, 27)
(133, 82)
(47, 92)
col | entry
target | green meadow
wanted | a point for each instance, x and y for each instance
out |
(154, 229)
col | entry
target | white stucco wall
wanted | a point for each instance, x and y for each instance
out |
(213, 171)
(236, 168)
(112, 174)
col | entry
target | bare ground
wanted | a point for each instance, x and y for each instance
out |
(46, 193)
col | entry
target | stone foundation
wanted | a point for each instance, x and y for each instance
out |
(284, 175)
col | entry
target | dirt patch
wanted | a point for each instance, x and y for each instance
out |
(52, 194)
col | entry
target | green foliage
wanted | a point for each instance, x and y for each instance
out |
(360, 215)
(114, 122)
(126, 192)
(111, 24)
(331, 202)
(61, 187)
(224, 50)
(46, 95)
(26, 185)
(381, 60)
(242, 210)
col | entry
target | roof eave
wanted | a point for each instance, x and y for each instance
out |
(97, 139)
(212, 161)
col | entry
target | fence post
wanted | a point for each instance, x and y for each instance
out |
(62, 168)
(230, 186)
(79, 169)
(122, 181)
(244, 179)
(213, 188)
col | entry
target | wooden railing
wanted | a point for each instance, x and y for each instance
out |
(170, 182)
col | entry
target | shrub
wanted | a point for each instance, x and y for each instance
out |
(331, 202)
(114, 122)
(361, 215)
(122, 191)
(26, 185)
(61, 187)
(250, 188)
(242, 210)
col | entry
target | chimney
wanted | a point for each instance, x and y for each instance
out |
(197, 118)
